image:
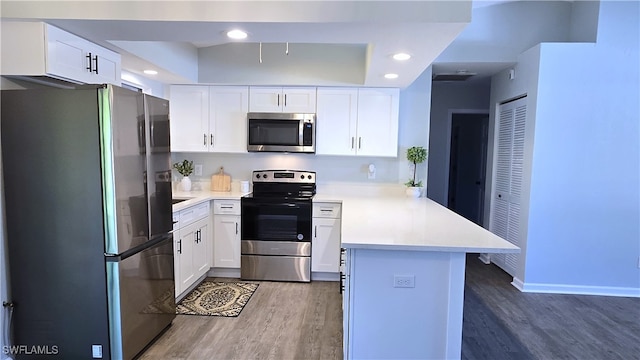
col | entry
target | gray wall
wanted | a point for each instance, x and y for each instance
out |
(448, 97)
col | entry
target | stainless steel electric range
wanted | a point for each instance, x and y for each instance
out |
(276, 226)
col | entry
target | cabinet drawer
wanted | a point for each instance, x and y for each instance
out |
(193, 213)
(231, 207)
(327, 210)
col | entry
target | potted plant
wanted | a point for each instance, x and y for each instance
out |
(416, 155)
(185, 168)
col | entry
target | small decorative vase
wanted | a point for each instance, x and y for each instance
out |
(185, 183)
(413, 191)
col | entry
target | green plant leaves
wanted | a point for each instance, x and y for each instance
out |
(185, 168)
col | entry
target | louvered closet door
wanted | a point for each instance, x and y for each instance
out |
(505, 210)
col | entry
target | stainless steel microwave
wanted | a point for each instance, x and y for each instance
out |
(281, 132)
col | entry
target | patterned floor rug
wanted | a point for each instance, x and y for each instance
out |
(216, 299)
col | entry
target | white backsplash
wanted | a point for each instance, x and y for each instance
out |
(329, 169)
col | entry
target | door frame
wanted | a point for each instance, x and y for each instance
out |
(448, 151)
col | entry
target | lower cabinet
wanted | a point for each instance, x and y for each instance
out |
(226, 234)
(192, 246)
(325, 247)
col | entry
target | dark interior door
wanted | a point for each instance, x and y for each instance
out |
(467, 165)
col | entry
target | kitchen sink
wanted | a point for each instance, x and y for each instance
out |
(178, 200)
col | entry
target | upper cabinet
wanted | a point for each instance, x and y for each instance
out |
(39, 49)
(209, 118)
(357, 121)
(279, 99)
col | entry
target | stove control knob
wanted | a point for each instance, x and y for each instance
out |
(302, 177)
(257, 176)
(264, 176)
(309, 177)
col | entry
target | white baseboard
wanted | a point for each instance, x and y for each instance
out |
(485, 258)
(576, 289)
(224, 273)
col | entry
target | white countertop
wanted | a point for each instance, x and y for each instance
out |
(403, 223)
(196, 197)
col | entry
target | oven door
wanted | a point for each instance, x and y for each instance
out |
(276, 219)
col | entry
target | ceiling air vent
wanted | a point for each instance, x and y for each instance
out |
(453, 77)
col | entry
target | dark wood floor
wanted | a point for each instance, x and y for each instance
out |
(304, 321)
(555, 326)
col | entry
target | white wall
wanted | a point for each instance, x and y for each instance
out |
(447, 97)
(499, 33)
(413, 131)
(582, 227)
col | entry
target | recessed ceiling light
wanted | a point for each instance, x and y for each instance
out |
(401, 56)
(151, 72)
(237, 34)
(391, 76)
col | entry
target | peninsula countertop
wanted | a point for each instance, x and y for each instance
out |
(414, 224)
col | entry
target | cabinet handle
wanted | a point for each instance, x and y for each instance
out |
(285, 99)
(180, 246)
(315, 232)
(211, 139)
(352, 140)
(226, 207)
(326, 209)
(236, 228)
(90, 64)
(96, 69)
(359, 143)
(278, 99)
(204, 141)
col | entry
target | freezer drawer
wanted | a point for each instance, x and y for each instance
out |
(142, 298)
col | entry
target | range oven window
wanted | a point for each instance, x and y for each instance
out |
(276, 220)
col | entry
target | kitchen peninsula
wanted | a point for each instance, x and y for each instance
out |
(404, 283)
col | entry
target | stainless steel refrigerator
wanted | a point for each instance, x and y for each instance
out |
(87, 176)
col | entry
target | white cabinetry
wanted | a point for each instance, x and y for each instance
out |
(39, 49)
(357, 121)
(325, 248)
(209, 118)
(192, 250)
(226, 234)
(278, 99)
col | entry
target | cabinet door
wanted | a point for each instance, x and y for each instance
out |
(66, 55)
(184, 256)
(226, 242)
(74, 58)
(228, 118)
(201, 248)
(189, 118)
(105, 65)
(378, 122)
(337, 115)
(265, 99)
(325, 249)
(299, 100)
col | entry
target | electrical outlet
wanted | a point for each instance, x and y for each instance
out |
(404, 281)
(198, 170)
(96, 351)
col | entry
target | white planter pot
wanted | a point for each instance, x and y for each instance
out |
(414, 191)
(185, 184)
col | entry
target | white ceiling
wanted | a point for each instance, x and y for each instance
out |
(350, 42)
(422, 28)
